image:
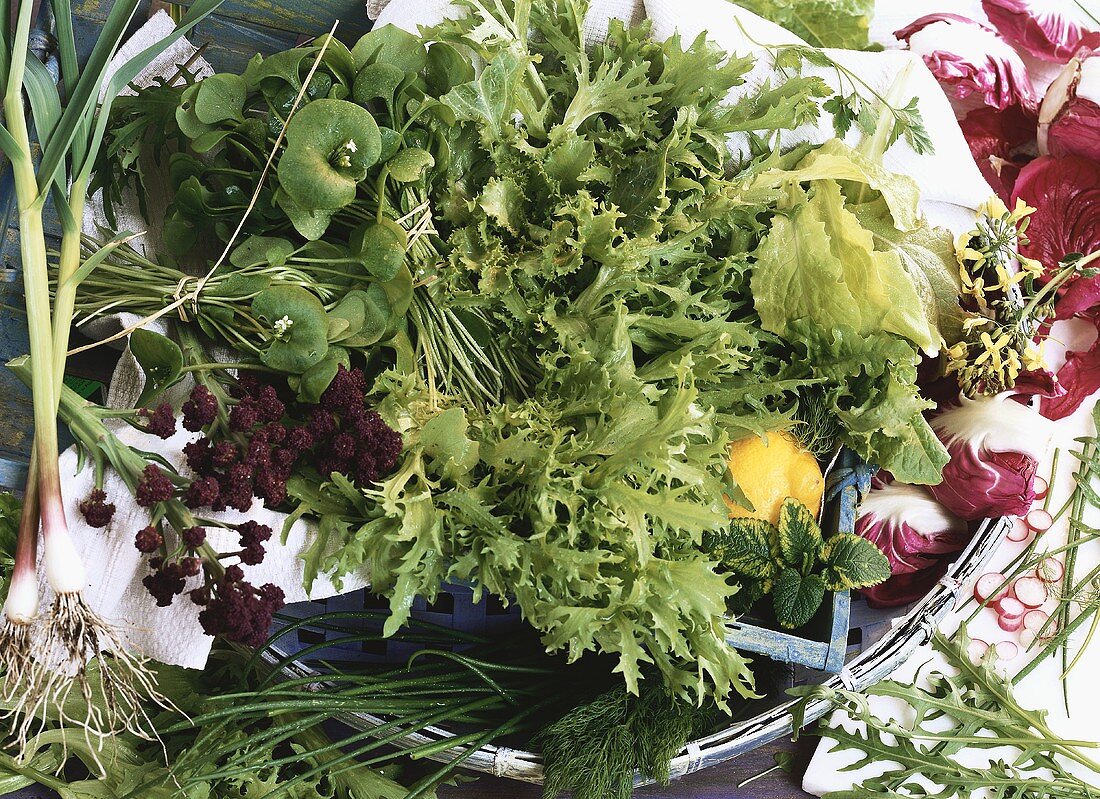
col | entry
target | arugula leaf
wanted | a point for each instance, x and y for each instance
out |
(852, 561)
(796, 597)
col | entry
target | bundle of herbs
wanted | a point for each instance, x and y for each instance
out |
(566, 294)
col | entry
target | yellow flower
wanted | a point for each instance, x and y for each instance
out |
(1033, 357)
(993, 207)
(1030, 266)
(1021, 210)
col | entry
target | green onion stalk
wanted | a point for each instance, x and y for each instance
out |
(69, 121)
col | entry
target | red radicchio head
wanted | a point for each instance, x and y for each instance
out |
(1069, 118)
(1047, 29)
(995, 445)
(970, 59)
(914, 532)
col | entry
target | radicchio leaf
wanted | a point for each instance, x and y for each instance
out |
(1066, 194)
(970, 59)
(1069, 118)
(1047, 29)
(995, 446)
(1080, 375)
(994, 137)
(914, 532)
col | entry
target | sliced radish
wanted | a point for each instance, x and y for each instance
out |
(977, 650)
(988, 585)
(1031, 591)
(1035, 619)
(1050, 570)
(1009, 607)
(1050, 632)
(1027, 638)
(1041, 487)
(1010, 624)
(1019, 532)
(1006, 650)
(1039, 520)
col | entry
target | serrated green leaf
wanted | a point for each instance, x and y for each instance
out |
(852, 562)
(796, 598)
(747, 548)
(799, 536)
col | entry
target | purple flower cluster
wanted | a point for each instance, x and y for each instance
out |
(269, 438)
(97, 511)
(237, 610)
(153, 487)
(161, 420)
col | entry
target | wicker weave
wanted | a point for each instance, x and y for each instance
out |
(875, 663)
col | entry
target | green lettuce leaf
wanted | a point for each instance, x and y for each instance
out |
(822, 23)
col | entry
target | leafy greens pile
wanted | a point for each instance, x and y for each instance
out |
(632, 293)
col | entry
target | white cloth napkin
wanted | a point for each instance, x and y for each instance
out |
(115, 567)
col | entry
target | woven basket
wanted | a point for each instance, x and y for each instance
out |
(847, 482)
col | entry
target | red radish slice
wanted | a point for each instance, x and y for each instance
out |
(1010, 608)
(1027, 638)
(977, 650)
(1020, 532)
(1050, 570)
(1006, 650)
(1041, 487)
(987, 585)
(1031, 591)
(1039, 520)
(1010, 624)
(1034, 620)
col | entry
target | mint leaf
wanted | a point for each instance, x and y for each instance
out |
(799, 536)
(747, 548)
(796, 598)
(852, 562)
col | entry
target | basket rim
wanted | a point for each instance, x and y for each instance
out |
(906, 635)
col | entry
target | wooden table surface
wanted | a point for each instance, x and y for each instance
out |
(239, 30)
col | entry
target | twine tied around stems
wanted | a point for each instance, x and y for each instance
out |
(181, 298)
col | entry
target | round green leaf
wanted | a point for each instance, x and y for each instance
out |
(381, 248)
(446, 69)
(376, 81)
(220, 97)
(160, 359)
(261, 250)
(391, 140)
(391, 45)
(330, 146)
(374, 316)
(297, 328)
(410, 165)
(311, 384)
